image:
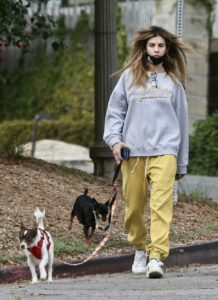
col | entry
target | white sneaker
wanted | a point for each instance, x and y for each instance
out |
(140, 262)
(155, 269)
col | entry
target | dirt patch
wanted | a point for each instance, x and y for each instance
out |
(26, 184)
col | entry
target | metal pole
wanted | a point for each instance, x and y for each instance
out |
(179, 33)
(179, 17)
(34, 137)
(37, 118)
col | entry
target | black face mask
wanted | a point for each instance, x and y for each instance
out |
(155, 60)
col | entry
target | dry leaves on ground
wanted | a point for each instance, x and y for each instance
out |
(26, 184)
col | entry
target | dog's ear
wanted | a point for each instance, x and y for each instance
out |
(107, 202)
(86, 191)
(94, 201)
(34, 230)
(22, 227)
(111, 201)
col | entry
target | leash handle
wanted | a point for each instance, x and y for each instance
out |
(116, 172)
(112, 202)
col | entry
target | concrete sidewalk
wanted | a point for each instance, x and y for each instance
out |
(182, 283)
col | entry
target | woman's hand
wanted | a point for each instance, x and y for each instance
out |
(117, 151)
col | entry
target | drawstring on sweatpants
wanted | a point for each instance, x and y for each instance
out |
(146, 166)
(135, 165)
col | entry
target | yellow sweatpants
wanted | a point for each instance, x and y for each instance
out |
(160, 172)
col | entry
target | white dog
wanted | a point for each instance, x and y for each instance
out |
(38, 246)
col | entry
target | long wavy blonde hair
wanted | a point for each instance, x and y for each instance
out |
(175, 62)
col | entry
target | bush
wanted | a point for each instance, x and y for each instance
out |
(61, 86)
(204, 147)
(60, 83)
(14, 134)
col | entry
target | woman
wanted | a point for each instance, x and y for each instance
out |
(147, 112)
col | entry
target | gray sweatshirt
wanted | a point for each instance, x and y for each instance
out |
(151, 120)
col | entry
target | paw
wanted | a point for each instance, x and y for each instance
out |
(43, 275)
(89, 243)
(34, 281)
(69, 226)
(50, 280)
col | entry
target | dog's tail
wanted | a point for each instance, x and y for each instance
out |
(39, 215)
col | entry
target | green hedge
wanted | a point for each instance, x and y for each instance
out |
(204, 147)
(13, 134)
(62, 85)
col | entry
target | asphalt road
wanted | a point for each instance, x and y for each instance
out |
(195, 282)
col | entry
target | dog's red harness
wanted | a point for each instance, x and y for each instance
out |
(37, 250)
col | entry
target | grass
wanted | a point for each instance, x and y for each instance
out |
(211, 227)
(8, 259)
(198, 195)
(66, 246)
(177, 237)
(63, 246)
(199, 233)
(117, 243)
(70, 171)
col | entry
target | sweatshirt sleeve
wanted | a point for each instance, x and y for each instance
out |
(181, 109)
(115, 114)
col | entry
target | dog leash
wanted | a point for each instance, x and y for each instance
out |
(112, 201)
(110, 218)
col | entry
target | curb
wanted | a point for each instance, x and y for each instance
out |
(202, 253)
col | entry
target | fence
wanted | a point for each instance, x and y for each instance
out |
(135, 14)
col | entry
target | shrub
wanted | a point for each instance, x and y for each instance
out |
(62, 85)
(14, 134)
(204, 147)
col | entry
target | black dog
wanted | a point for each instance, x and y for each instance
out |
(88, 210)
